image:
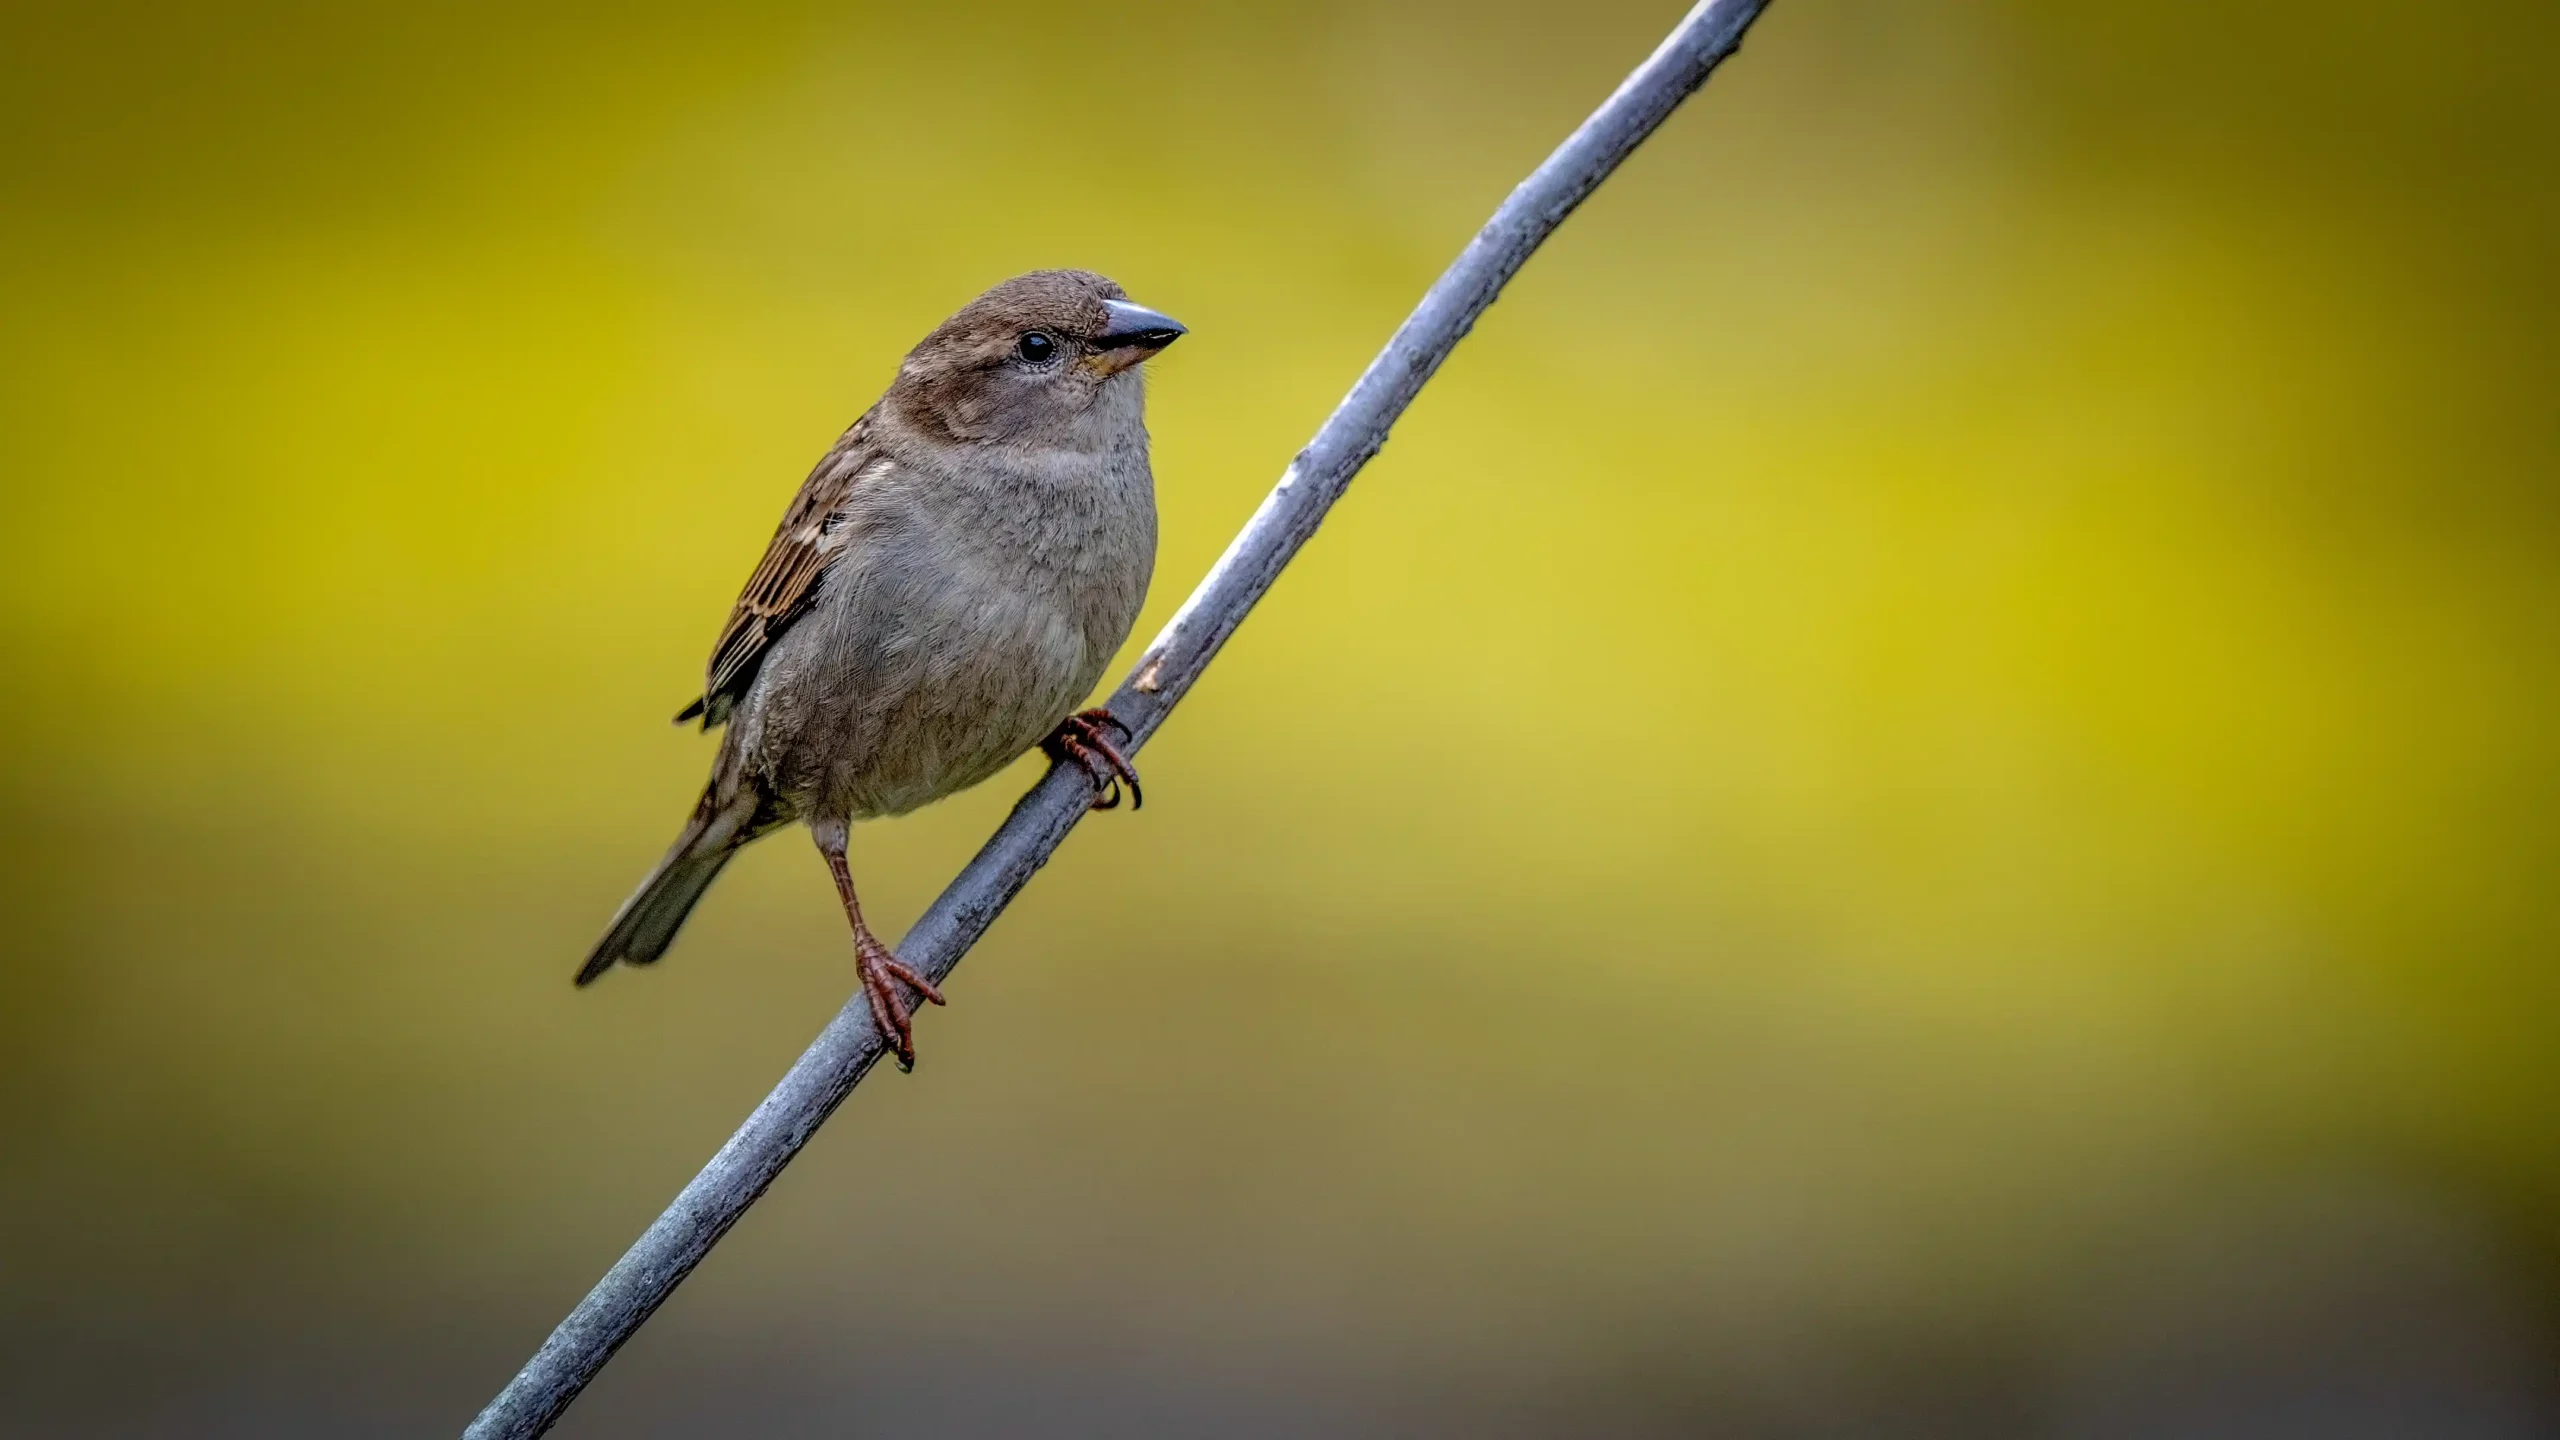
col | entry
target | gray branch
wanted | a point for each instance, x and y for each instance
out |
(847, 1049)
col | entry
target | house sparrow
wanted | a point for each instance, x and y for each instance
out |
(948, 583)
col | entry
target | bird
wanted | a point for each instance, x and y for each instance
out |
(944, 590)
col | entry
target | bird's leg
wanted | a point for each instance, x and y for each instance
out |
(882, 972)
(1080, 738)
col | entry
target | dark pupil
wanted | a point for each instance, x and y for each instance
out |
(1036, 347)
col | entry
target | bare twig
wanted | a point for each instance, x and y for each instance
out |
(843, 1052)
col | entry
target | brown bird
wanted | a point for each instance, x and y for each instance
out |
(947, 585)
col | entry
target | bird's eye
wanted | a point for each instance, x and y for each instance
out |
(1036, 347)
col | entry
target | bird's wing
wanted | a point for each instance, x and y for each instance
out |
(810, 537)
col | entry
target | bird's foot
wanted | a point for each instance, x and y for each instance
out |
(1081, 738)
(882, 974)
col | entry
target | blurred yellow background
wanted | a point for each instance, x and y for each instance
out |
(1922, 795)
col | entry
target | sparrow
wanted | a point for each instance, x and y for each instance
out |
(946, 587)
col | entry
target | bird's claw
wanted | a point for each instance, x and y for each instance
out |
(1080, 738)
(882, 974)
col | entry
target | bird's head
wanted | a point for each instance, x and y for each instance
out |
(1030, 358)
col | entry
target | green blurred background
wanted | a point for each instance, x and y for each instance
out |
(1921, 797)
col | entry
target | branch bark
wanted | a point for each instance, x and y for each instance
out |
(849, 1046)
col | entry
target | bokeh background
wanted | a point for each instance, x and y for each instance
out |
(1921, 797)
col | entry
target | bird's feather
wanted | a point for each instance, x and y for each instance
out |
(787, 579)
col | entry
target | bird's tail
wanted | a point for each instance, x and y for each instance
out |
(648, 921)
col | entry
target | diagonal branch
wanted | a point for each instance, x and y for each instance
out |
(846, 1050)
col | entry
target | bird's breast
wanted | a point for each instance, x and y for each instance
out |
(963, 620)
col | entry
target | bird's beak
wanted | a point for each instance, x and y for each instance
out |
(1134, 334)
